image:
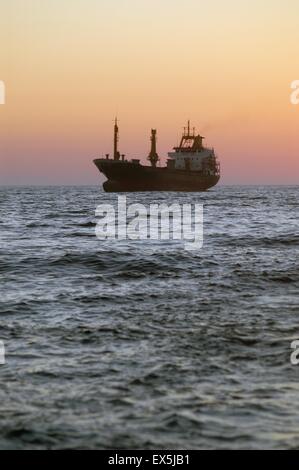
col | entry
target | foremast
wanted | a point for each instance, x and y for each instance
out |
(116, 154)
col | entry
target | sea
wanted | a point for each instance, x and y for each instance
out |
(143, 344)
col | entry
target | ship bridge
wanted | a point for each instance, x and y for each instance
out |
(192, 155)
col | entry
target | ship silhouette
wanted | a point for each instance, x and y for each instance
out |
(190, 167)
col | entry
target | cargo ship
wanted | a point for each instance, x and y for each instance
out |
(189, 167)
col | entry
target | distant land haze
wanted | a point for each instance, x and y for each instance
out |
(70, 67)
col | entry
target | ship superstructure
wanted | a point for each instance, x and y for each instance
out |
(191, 155)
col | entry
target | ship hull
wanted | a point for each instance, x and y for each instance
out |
(123, 176)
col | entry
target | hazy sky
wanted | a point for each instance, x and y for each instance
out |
(71, 65)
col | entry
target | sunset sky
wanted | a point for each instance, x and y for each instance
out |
(70, 66)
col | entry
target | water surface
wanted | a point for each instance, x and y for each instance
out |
(144, 344)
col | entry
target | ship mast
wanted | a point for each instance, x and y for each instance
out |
(190, 142)
(153, 156)
(116, 153)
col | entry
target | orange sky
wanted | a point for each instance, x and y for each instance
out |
(71, 66)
